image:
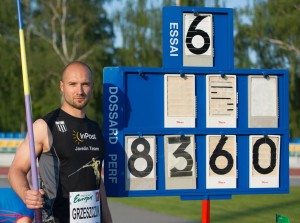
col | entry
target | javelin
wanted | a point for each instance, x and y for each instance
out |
(82, 167)
(34, 176)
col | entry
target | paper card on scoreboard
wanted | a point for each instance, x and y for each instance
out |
(264, 159)
(179, 101)
(221, 101)
(140, 163)
(198, 40)
(263, 101)
(180, 163)
(221, 170)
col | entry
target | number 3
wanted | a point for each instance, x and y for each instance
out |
(180, 152)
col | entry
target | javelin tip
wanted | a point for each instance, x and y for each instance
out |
(20, 14)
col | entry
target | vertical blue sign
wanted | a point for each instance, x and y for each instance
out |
(198, 37)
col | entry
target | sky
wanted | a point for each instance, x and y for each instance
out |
(235, 4)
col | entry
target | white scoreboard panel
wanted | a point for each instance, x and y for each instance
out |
(140, 162)
(263, 108)
(264, 158)
(221, 101)
(180, 162)
(198, 40)
(211, 147)
(221, 167)
(180, 101)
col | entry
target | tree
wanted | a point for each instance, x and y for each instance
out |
(272, 35)
(140, 30)
(12, 112)
(139, 24)
(67, 31)
(56, 33)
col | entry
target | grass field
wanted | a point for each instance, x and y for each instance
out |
(240, 209)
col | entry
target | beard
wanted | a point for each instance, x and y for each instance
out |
(77, 103)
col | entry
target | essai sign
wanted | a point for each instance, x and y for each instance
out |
(174, 39)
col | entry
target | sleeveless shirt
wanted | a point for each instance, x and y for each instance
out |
(72, 164)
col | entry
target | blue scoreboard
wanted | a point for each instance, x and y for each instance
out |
(197, 127)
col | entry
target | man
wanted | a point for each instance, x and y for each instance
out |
(66, 142)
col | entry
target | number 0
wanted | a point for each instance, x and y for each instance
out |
(255, 158)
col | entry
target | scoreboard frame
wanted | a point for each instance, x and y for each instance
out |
(134, 106)
(196, 128)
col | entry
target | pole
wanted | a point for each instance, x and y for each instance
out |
(206, 211)
(34, 176)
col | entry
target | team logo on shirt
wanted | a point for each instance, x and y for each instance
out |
(61, 126)
(80, 137)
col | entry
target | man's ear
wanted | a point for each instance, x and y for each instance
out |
(61, 86)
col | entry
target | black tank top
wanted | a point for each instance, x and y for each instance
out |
(73, 162)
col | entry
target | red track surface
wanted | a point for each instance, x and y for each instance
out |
(295, 172)
(3, 171)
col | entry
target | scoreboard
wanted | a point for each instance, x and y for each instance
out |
(197, 127)
(213, 141)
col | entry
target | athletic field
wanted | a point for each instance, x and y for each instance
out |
(240, 209)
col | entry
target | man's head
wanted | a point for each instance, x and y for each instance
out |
(76, 85)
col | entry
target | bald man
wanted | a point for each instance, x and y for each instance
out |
(66, 143)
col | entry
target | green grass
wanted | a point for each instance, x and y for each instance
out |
(240, 209)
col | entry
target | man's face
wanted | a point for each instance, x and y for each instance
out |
(76, 86)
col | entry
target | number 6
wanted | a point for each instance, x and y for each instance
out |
(192, 32)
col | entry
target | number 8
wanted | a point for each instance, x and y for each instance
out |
(137, 154)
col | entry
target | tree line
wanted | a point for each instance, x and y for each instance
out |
(60, 31)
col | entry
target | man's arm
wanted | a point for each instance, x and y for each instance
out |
(106, 216)
(20, 167)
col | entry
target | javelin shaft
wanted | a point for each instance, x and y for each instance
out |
(82, 167)
(34, 178)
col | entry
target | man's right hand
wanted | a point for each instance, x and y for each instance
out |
(34, 199)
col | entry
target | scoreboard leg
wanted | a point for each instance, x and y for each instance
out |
(206, 211)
